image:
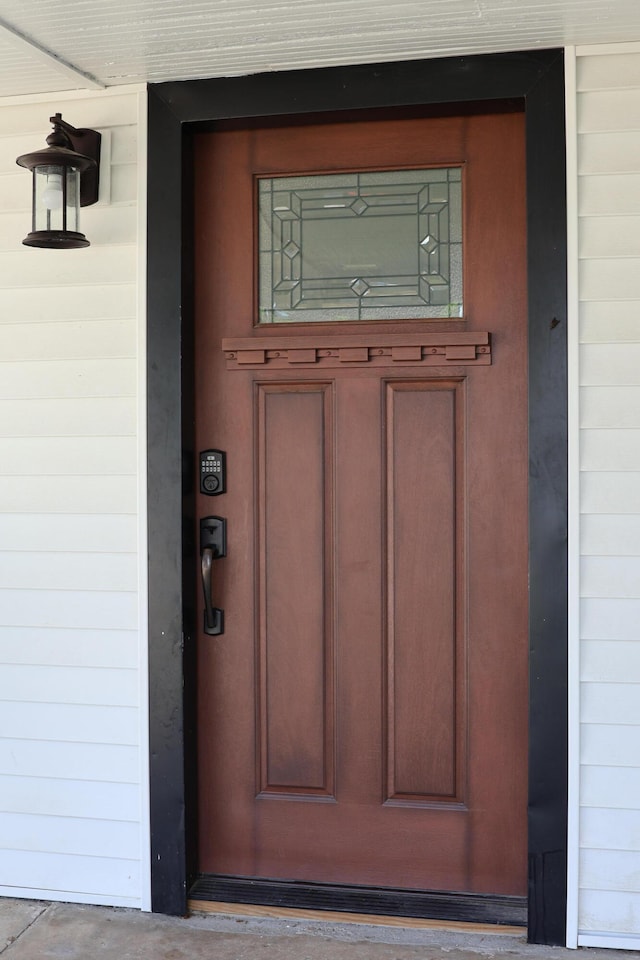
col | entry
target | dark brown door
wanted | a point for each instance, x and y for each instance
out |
(362, 720)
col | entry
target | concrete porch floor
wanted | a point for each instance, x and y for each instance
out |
(35, 930)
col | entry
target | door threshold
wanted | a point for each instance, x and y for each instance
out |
(254, 911)
(497, 912)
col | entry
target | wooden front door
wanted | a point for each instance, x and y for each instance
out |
(362, 719)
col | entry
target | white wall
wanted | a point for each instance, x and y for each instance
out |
(608, 160)
(73, 759)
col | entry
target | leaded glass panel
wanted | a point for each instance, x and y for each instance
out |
(361, 246)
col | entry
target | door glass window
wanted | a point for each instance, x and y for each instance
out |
(361, 246)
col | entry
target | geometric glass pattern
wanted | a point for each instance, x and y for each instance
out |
(361, 246)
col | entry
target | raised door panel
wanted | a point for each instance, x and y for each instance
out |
(294, 575)
(424, 590)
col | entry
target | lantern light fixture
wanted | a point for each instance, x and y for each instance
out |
(65, 177)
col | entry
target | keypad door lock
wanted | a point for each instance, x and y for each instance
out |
(213, 472)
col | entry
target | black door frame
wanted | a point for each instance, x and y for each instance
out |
(176, 110)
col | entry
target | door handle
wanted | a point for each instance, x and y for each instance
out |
(213, 545)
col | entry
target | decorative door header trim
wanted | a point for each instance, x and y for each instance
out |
(426, 349)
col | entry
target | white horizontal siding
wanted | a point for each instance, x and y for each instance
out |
(615, 71)
(610, 110)
(72, 339)
(609, 152)
(68, 456)
(50, 797)
(607, 406)
(602, 321)
(617, 661)
(610, 280)
(63, 684)
(67, 760)
(609, 493)
(69, 835)
(59, 379)
(607, 449)
(71, 609)
(606, 195)
(65, 417)
(608, 117)
(72, 571)
(604, 364)
(610, 912)
(614, 830)
(610, 577)
(23, 119)
(102, 877)
(618, 235)
(609, 895)
(96, 266)
(606, 619)
(82, 723)
(611, 870)
(601, 784)
(72, 532)
(608, 703)
(60, 498)
(611, 745)
(56, 647)
(33, 304)
(71, 715)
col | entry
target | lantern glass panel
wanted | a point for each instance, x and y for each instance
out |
(57, 197)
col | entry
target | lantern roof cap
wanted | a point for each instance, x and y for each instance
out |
(59, 151)
(55, 156)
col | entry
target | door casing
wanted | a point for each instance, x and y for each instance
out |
(176, 110)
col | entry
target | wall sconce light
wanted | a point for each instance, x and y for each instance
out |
(65, 178)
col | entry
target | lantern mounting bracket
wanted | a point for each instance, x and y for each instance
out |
(87, 143)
